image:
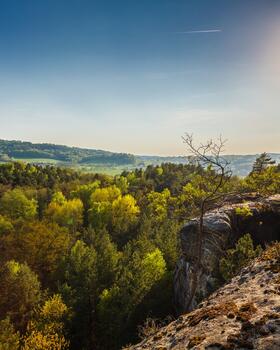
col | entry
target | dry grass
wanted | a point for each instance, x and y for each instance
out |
(229, 309)
(272, 252)
(209, 313)
(195, 340)
(245, 312)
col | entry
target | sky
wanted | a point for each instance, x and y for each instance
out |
(134, 76)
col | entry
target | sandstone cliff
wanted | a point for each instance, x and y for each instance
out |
(222, 228)
(245, 314)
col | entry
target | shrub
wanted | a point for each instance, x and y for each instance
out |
(243, 211)
(9, 338)
(238, 257)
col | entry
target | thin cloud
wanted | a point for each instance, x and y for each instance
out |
(201, 31)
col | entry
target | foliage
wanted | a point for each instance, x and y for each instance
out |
(124, 213)
(100, 213)
(152, 326)
(122, 183)
(79, 283)
(87, 258)
(39, 244)
(38, 340)
(111, 209)
(16, 205)
(45, 332)
(20, 292)
(107, 258)
(67, 213)
(20, 174)
(157, 206)
(5, 225)
(84, 192)
(266, 182)
(163, 235)
(52, 313)
(137, 277)
(9, 338)
(261, 163)
(238, 257)
(272, 252)
(244, 211)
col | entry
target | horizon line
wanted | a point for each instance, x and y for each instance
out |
(131, 153)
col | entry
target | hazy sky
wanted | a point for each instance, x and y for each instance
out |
(133, 76)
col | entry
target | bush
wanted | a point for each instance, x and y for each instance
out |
(243, 211)
(238, 257)
(9, 338)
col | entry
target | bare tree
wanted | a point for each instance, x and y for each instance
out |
(209, 156)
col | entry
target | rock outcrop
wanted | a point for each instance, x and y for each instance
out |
(245, 314)
(222, 228)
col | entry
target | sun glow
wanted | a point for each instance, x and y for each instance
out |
(270, 56)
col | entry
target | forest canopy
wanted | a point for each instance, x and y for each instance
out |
(86, 259)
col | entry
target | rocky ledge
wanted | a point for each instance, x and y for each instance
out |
(244, 314)
(222, 228)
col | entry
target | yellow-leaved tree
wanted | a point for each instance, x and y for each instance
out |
(111, 209)
(46, 331)
(15, 205)
(67, 213)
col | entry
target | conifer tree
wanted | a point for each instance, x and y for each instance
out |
(261, 163)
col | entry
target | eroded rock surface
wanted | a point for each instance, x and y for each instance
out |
(244, 314)
(222, 228)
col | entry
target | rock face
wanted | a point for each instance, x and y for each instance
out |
(245, 314)
(222, 228)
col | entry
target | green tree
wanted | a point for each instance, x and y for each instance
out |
(84, 192)
(40, 245)
(107, 194)
(124, 213)
(100, 213)
(65, 213)
(6, 226)
(16, 205)
(266, 182)
(122, 183)
(79, 291)
(157, 206)
(111, 210)
(138, 275)
(238, 257)
(9, 338)
(39, 340)
(107, 257)
(46, 331)
(20, 292)
(261, 163)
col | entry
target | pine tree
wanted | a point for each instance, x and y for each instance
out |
(261, 163)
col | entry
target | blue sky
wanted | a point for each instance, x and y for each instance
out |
(134, 76)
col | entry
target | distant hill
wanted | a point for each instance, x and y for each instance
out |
(45, 151)
(103, 161)
(241, 165)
